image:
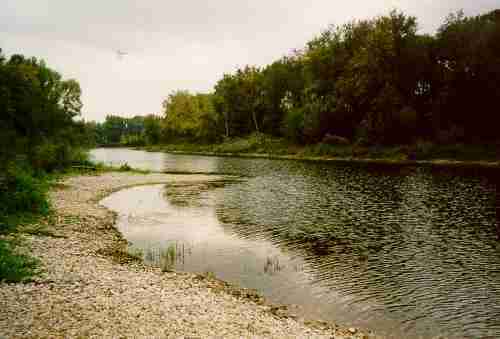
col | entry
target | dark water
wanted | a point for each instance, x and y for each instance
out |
(406, 251)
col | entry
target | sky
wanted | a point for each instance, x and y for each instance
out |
(186, 44)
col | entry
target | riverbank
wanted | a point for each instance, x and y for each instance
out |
(262, 146)
(90, 286)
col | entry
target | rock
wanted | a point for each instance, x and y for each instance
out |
(86, 292)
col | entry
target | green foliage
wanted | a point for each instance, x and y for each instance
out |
(168, 257)
(152, 129)
(38, 110)
(21, 195)
(374, 82)
(125, 167)
(293, 124)
(49, 156)
(190, 116)
(39, 135)
(115, 130)
(15, 266)
(467, 54)
(135, 140)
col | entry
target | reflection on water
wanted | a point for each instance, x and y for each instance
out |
(190, 237)
(154, 161)
(388, 248)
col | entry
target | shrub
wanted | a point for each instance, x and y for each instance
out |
(15, 267)
(293, 124)
(49, 156)
(79, 156)
(45, 156)
(423, 149)
(21, 193)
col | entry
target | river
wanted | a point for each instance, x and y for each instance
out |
(407, 251)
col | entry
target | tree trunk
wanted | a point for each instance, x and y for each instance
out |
(255, 121)
(226, 124)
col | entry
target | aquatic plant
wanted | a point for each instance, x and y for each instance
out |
(168, 257)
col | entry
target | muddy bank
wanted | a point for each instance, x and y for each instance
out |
(90, 287)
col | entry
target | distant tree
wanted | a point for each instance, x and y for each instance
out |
(282, 80)
(468, 54)
(114, 127)
(152, 129)
(374, 81)
(190, 116)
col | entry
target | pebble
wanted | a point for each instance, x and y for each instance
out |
(84, 293)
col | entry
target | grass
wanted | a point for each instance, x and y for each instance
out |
(255, 143)
(168, 257)
(268, 146)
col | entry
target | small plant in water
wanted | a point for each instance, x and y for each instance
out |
(209, 274)
(125, 167)
(150, 256)
(168, 258)
(134, 252)
(272, 265)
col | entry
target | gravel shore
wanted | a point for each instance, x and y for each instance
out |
(87, 289)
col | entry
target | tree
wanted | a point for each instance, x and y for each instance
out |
(38, 110)
(152, 129)
(469, 73)
(190, 116)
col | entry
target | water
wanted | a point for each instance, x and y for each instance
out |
(406, 251)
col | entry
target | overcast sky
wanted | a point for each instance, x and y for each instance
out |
(184, 44)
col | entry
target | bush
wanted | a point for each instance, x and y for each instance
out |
(293, 125)
(49, 156)
(423, 150)
(21, 193)
(133, 140)
(79, 156)
(15, 267)
(45, 156)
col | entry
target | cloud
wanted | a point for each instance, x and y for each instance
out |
(178, 44)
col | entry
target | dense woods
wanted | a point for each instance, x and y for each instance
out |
(37, 110)
(368, 82)
(39, 135)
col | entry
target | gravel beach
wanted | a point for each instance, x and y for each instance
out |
(90, 288)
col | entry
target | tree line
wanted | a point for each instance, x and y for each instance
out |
(38, 110)
(40, 134)
(375, 81)
(117, 130)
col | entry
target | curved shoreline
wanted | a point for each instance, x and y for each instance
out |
(91, 288)
(376, 161)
